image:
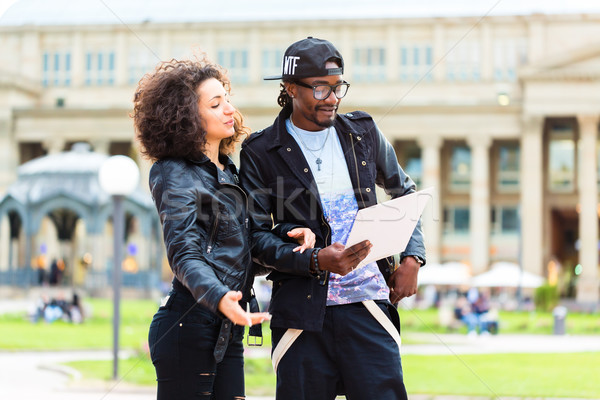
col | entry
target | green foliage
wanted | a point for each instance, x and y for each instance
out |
(546, 297)
(497, 376)
(17, 333)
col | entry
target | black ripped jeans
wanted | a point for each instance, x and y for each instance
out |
(182, 339)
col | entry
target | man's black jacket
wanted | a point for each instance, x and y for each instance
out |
(281, 189)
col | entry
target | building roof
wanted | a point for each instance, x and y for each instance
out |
(72, 174)
(83, 12)
(69, 181)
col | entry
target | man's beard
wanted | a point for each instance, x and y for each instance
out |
(328, 123)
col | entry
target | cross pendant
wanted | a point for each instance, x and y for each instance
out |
(319, 162)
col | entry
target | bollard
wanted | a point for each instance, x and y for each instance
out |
(560, 316)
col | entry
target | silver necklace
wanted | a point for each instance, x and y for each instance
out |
(319, 161)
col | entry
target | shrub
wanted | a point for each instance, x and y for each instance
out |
(546, 297)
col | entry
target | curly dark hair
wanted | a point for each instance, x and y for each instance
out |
(284, 98)
(165, 112)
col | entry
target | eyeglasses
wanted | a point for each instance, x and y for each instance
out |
(321, 92)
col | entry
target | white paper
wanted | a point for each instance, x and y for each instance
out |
(389, 225)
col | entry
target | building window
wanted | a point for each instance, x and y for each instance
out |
(111, 69)
(56, 68)
(416, 63)
(30, 150)
(45, 69)
(508, 167)
(561, 158)
(271, 62)
(409, 157)
(141, 61)
(100, 68)
(463, 61)
(369, 64)
(460, 169)
(121, 148)
(67, 75)
(509, 54)
(456, 220)
(236, 63)
(504, 220)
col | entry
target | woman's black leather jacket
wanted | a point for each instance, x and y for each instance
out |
(205, 227)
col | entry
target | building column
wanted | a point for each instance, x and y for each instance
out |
(532, 203)
(432, 224)
(101, 146)
(254, 62)
(31, 55)
(121, 59)
(588, 284)
(77, 61)
(54, 145)
(479, 220)
(9, 150)
(392, 54)
(487, 46)
(5, 243)
(439, 49)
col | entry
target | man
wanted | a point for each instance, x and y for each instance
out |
(330, 322)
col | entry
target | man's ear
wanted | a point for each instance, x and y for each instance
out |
(290, 89)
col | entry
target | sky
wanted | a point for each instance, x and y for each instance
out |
(444, 7)
(4, 4)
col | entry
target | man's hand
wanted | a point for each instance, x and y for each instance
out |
(230, 307)
(403, 282)
(335, 258)
(305, 237)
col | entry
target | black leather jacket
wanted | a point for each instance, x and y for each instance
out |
(280, 185)
(205, 227)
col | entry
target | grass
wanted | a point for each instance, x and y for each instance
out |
(553, 375)
(487, 375)
(498, 375)
(16, 333)
(136, 370)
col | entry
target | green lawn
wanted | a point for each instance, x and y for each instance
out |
(488, 375)
(531, 375)
(499, 375)
(16, 333)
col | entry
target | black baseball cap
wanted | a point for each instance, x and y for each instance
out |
(307, 57)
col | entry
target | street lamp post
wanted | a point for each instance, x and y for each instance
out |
(119, 176)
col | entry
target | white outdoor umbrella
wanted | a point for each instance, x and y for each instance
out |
(505, 274)
(452, 273)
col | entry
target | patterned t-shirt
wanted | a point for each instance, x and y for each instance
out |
(325, 158)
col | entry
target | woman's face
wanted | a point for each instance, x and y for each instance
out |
(215, 110)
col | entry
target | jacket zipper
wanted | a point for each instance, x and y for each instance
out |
(246, 226)
(213, 233)
(356, 169)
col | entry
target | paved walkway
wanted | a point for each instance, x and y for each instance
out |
(35, 375)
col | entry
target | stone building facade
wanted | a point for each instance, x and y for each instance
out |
(500, 114)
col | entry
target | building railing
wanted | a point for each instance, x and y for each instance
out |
(27, 277)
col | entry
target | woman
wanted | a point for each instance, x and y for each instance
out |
(186, 123)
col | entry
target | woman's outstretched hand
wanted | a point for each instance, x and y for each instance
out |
(230, 307)
(305, 237)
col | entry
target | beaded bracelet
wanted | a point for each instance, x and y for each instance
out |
(316, 271)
